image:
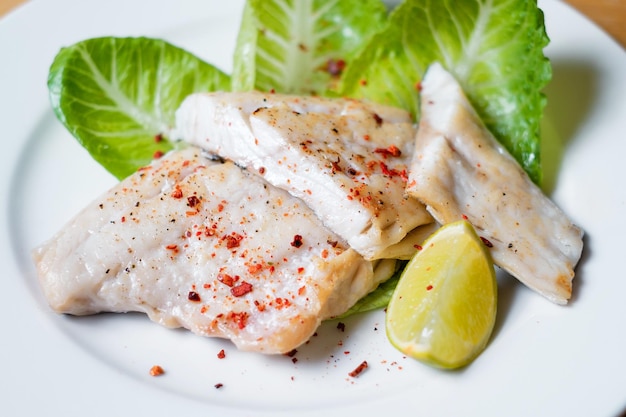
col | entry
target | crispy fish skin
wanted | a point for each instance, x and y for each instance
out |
(344, 158)
(459, 169)
(206, 246)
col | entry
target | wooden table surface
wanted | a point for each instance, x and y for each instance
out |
(608, 14)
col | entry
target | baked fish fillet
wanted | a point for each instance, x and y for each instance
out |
(459, 169)
(346, 159)
(205, 245)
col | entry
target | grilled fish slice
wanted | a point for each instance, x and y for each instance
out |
(209, 247)
(346, 159)
(459, 169)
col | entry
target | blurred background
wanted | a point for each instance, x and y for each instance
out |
(608, 14)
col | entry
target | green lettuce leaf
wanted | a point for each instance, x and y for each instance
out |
(118, 96)
(301, 47)
(493, 47)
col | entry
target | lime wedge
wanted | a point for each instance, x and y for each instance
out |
(443, 309)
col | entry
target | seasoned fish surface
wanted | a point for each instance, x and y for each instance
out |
(459, 169)
(206, 246)
(346, 159)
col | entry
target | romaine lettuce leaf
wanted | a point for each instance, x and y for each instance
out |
(301, 46)
(493, 47)
(118, 96)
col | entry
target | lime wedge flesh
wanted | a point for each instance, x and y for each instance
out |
(443, 309)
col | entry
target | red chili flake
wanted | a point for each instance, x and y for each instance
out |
(232, 240)
(359, 369)
(335, 166)
(123, 219)
(241, 289)
(177, 193)
(156, 370)
(391, 150)
(226, 279)
(332, 243)
(279, 303)
(297, 241)
(158, 138)
(363, 83)
(386, 170)
(418, 247)
(300, 270)
(171, 247)
(218, 385)
(193, 201)
(418, 86)
(221, 354)
(429, 287)
(262, 170)
(157, 154)
(194, 296)
(464, 217)
(240, 319)
(335, 66)
(255, 268)
(301, 290)
(378, 119)
(486, 242)
(394, 150)
(341, 326)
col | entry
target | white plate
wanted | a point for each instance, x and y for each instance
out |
(544, 359)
